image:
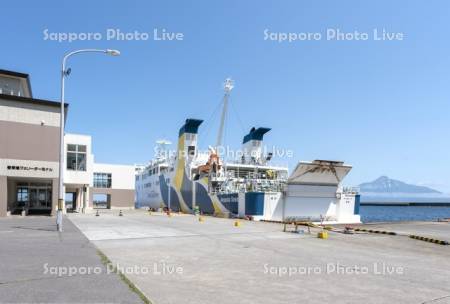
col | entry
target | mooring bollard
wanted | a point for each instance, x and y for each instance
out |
(120, 213)
(323, 235)
(97, 214)
(237, 224)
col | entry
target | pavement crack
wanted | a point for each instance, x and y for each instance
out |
(27, 280)
(183, 236)
(5, 283)
(436, 299)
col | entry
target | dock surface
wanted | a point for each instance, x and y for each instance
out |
(33, 257)
(258, 263)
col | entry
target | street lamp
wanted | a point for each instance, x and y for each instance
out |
(65, 72)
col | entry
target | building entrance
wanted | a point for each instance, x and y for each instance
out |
(34, 197)
(71, 201)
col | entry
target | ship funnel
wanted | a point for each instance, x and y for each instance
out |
(190, 126)
(252, 146)
(187, 140)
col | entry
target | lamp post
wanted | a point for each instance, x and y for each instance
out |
(65, 72)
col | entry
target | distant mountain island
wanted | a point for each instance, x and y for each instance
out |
(386, 185)
(386, 191)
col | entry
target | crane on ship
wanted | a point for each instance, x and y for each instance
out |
(227, 86)
(213, 164)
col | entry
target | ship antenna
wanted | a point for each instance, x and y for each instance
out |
(227, 86)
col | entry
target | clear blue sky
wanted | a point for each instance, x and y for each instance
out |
(381, 106)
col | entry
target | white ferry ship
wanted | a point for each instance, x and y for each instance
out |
(249, 187)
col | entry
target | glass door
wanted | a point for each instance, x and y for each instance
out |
(33, 203)
(44, 198)
(22, 196)
(37, 196)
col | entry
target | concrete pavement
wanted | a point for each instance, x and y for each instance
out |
(33, 257)
(258, 263)
(439, 230)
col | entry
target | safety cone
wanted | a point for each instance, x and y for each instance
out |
(201, 219)
(237, 224)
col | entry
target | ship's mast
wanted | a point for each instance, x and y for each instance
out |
(228, 86)
(161, 151)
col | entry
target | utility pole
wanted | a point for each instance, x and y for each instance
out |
(64, 73)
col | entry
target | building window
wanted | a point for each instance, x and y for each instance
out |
(6, 91)
(102, 201)
(22, 195)
(102, 180)
(76, 157)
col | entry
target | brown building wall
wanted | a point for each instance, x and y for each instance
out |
(3, 196)
(29, 141)
(118, 197)
(11, 186)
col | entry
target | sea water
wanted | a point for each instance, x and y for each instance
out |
(402, 213)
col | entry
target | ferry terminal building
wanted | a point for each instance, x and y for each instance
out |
(29, 158)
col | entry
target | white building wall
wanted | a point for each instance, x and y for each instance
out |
(20, 112)
(51, 169)
(79, 177)
(122, 175)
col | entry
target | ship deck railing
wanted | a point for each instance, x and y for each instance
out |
(273, 186)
